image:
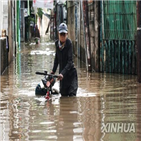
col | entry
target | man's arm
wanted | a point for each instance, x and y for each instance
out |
(55, 64)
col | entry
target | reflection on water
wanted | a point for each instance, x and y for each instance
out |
(101, 98)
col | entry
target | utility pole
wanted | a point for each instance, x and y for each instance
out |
(138, 40)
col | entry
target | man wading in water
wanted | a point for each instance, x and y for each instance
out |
(64, 57)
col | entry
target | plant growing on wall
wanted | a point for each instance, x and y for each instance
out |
(40, 12)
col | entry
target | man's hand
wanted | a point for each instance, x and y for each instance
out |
(60, 77)
(48, 84)
(51, 72)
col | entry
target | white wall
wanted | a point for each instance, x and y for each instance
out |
(42, 25)
(63, 1)
(1, 17)
(4, 16)
(45, 22)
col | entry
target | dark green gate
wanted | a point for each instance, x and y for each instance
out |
(117, 33)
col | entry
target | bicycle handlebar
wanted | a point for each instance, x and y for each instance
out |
(41, 73)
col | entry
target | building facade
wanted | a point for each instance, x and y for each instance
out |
(7, 43)
(103, 34)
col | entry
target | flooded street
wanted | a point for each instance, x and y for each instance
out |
(101, 99)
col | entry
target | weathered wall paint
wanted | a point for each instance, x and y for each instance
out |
(113, 27)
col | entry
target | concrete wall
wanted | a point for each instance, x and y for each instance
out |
(1, 17)
(4, 16)
(94, 35)
(78, 42)
(44, 25)
(77, 38)
(6, 55)
(10, 31)
(71, 24)
(22, 23)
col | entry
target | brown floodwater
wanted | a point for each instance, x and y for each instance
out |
(102, 100)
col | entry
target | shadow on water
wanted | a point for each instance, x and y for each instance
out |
(101, 99)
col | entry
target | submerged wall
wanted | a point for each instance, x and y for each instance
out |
(4, 55)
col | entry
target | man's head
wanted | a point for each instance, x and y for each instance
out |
(63, 32)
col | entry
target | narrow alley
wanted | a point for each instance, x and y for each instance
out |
(101, 98)
(105, 45)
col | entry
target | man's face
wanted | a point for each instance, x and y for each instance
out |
(63, 37)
